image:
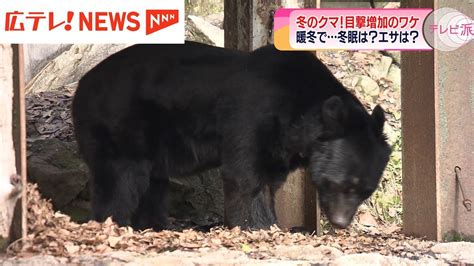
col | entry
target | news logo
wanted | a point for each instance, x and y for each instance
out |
(160, 19)
(90, 21)
(445, 29)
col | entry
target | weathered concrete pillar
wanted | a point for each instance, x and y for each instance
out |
(247, 23)
(10, 181)
(437, 111)
(247, 26)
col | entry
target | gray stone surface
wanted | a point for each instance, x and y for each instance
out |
(63, 177)
(381, 67)
(70, 66)
(368, 85)
(38, 55)
(396, 55)
(50, 66)
(394, 75)
(199, 198)
(308, 252)
(194, 34)
(216, 19)
(214, 33)
(462, 252)
(377, 259)
(39, 260)
(222, 256)
(56, 168)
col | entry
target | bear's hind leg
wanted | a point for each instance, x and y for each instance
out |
(117, 186)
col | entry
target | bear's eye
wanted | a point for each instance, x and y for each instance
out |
(355, 180)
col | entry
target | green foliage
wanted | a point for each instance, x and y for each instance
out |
(454, 236)
(386, 202)
(203, 7)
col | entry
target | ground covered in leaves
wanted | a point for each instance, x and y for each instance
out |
(52, 233)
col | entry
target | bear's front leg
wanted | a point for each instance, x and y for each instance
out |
(246, 204)
(246, 201)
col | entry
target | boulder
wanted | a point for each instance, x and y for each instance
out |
(70, 66)
(60, 69)
(381, 66)
(395, 76)
(63, 177)
(215, 34)
(55, 166)
(192, 33)
(38, 55)
(368, 86)
(395, 55)
(216, 19)
(199, 198)
(459, 252)
(204, 7)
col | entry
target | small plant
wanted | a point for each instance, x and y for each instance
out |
(386, 202)
(454, 236)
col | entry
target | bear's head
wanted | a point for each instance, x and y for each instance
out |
(348, 158)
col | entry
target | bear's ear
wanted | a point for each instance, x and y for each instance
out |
(333, 113)
(378, 115)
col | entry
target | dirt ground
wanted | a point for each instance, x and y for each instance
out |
(282, 255)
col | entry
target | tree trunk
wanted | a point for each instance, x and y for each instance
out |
(10, 182)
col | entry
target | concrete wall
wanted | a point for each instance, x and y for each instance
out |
(437, 111)
(454, 99)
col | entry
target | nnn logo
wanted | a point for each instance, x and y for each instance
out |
(159, 19)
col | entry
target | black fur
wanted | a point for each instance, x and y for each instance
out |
(154, 111)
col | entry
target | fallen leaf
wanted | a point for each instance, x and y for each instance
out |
(113, 240)
(365, 218)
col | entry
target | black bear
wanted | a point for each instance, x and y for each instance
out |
(154, 111)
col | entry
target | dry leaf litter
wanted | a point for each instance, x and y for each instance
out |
(49, 114)
(53, 233)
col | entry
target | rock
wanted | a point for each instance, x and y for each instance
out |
(392, 133)
(216, 19)
(392, 5)
(460, 252)
(308, 252)
(57, 169)
(377, 259)
(381, 66)
(199, 198)
(38, 55)
(215, 34)
(39, 260)
(395, 76)
(192, 33)
(395, 55)
(71, 65)
(368, 85)
(59, 69)
(204, 7)
(63, 177)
